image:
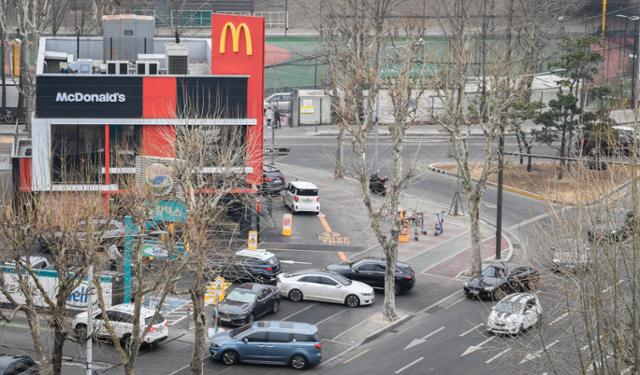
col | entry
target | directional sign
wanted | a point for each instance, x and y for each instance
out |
(423, 339)
(475, 348)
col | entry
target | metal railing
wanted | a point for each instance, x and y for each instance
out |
(194, 18)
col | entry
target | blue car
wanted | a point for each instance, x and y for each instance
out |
(270, 342)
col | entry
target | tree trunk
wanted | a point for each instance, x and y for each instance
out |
(520, 146)
(338, 171)
(197, 297)
(389, 306)
(476, 239)
(59, 337)
(563, 141)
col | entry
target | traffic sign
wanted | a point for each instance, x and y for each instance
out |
(253, 240)
(287, 222)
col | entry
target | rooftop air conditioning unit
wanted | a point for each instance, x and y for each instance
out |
(177, 59)
(117, 67)
(147, 67)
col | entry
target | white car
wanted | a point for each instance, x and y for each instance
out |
(121, 318)
(302, 196)
(515, 313)
(324, 286)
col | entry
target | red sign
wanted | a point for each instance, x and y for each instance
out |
(237, 48)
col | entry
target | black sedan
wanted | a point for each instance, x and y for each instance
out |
(371, 271)
(273, 181)
(501, 278)
(17, 365)
(247, 302)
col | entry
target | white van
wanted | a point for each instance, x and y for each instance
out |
(302, 196)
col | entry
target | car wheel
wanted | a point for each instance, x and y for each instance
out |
(276, 307)
(295, 295)
(230, 357)
(352, 300)
(81, 332)
(250, 319)
(298, 362)
(521, 329)
(126, 341)
(499, 294)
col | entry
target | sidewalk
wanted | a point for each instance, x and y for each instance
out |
(414, 131)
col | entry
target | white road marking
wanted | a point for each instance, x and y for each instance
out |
(475, 348)
(356, 356)
(584, 348)
(423, 339)
(455, 302)
(409, 365)
(528, 221)
(611, 287)
(497, 356)
(471, 330)
(331, 317)
(532, 356)
(174, 322)
(556, 320)
(292, 262)
(348, 330)
(299, 311)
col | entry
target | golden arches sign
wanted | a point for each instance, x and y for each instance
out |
(235, 38)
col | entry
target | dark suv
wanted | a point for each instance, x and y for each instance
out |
(371, 271)
(246, 265)
(273, 181)
(17, 365)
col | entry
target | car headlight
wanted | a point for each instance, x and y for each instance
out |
(367, 294)
(466, 284)
(489, 288)
(214, 345)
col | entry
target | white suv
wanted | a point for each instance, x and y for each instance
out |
(121, 319)
(302, 196)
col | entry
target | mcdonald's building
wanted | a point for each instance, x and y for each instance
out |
(106, 104)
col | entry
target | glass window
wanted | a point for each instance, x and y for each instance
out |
(159, 319)
(309, 279)
(327, 281)
(78, 153)
(301, 337)
(367, 267)
(257, 337)
(279, 337)
(307, 192)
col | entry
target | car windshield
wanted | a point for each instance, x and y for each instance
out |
(272, 261)
(509, 307)
(159, 319)
(308, 192)
(243, 296)
(492, 271)
(235, 332)
(341, 279)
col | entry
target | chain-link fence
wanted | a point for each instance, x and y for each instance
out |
(198, 18)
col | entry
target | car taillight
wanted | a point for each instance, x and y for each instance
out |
(152, 329)
(269, 268)
(318, 345)
(268, 179)
(296, 198)
(318, 199)
(165, 323)
(408, 277)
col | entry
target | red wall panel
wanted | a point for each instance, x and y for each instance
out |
(158, 140)
(159, 97)
(24, 184)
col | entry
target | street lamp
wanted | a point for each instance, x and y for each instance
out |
(634, 55)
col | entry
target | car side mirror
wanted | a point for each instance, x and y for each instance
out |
(245, 340)
(356, 270)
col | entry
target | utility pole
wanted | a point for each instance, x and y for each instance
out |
(636, 48)
(89, 342)
(501, 140)
(4, 87)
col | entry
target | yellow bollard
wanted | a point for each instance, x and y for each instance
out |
(16, 58)
(404, 233)
(287, 223)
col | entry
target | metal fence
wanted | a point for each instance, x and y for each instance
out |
(193, 18)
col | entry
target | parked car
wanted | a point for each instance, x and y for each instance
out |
(371, 271)
(570, 255)
(515, 313)
(246, 265)
(281, 99)
(18, 365)
(325, 286)
(247, 302)
(611, 226)
(272, 342)
(501, 278)
(121, 319)
(109, 231)
(273, 181)
(35, 262)
(302, 196)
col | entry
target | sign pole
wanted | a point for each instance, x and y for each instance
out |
(129, 230)
(89, 342)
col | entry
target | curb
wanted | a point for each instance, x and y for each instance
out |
(386, 328)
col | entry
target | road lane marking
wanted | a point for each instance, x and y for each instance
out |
(330, 317)
(292, 262)
(471, 330)
(343, 256)
(475, 348)
(532, 356)
(324, 222)
(423, 339)
(455, 302)
(611, 287)
(348, 330)
(356, 356)
(497, 356)
(409, 365)
(189, 365)
(556, 320)
(299, 311)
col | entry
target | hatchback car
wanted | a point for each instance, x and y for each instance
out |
(121, 319)
(571, 255)
(371, 271)
(246, 302)
(325, 286)
(302, 196)
(260, 266)
(515, 313)
(272, 342)
(17, 365)
(273, 181)
(280, 100)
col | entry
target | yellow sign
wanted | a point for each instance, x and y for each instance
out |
(287, 221)
(253, 240)
(215, 291)
(235, 38)
(404, 232)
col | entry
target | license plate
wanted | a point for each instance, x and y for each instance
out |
(474, 291)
